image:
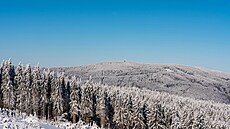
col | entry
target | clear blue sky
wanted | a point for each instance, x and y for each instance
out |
(72, 33)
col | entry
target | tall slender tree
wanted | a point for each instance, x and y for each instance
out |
(1, 85)
(28, 88)
(63, 92)
(67, 99)
(5, 80)
(46, 91)
(8, 84)
(52, 91)
(36, 90)
(74, 107)
(57, 97)
(12, 88)
(20, 91)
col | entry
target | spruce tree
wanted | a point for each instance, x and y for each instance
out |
(57, 97)
(8, 83)
(107, 111)
(28, 88)
(20, 91)
(63, 92)
(5, 80)
(36, 90)
(1, 85)
(67, 99)
(52, 89)
(46, 94)
(43, 100)
(74, 100)
(12, 88)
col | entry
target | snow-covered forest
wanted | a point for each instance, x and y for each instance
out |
(57, 97)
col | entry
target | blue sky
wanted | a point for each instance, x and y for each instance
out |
(72, 33)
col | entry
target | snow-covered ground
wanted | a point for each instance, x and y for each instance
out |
(12, 120)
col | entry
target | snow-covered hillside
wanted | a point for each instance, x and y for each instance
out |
(181, 80)
(12, 120)
(58, 98)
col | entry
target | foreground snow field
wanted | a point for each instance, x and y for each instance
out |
(12, 120)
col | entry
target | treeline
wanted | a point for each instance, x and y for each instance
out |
(53, 96)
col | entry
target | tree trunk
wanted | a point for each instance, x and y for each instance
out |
(74, 118)
(1, 100)
(9, 101)
(34, 104)
(44, 110)
(50, 111)
(102, 121)
(27, 104)
(20, 109)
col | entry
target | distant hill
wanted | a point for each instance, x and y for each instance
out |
(175, 79)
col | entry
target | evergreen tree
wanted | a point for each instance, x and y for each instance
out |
(53, 84)
(76, 99)
(67, 99)
(36, 90)
(1, 85)
(5, 80)
(87, 102)
(8, 84)
(119, 110)
(12, 88)
(46, 91)
(20, 90)
(74, 102)
(43, 100)
(63, 92)
(144, 114)
(28, 89)
(107, 111)
(57, 97)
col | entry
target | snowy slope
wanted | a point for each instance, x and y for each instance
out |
(9, 120)
(186, 81)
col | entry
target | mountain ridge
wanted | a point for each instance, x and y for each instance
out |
(195, 82)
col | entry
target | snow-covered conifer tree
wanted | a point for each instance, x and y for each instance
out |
(1, 84)
(67, 99)
(5, 80)
(74, 101)
(36, 90)
(12, 88)
(20, 91)
(119, 110)
(107, 110)
(46, 94)
(53, 84)
(28, 87)
(57, 97)
(63, 92)
(8, 83)
(144, 115)
(86, 101)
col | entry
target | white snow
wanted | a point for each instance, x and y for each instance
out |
(181, 80)
(11, 121)
(168, 70)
